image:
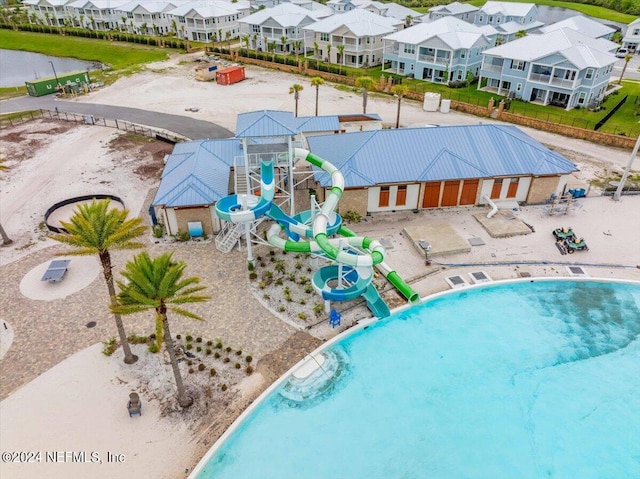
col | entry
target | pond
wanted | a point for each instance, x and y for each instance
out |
(17, 67)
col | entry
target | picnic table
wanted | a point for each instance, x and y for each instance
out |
(56, 270)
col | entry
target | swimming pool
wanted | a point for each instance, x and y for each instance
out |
(519, 380)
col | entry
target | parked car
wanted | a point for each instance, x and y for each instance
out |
(622, 52)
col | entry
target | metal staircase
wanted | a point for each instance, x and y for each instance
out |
(229, 236)
(241, 186)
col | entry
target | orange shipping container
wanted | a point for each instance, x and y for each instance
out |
(230, 75)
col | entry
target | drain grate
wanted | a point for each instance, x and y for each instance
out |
(456, 281)
(577, 271)
(480, 277)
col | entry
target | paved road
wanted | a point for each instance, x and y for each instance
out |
(185, 126)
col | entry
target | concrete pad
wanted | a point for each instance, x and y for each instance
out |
(80, 274)
(441, 236)
(503, 225)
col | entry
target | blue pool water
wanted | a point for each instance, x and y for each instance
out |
(522, 380)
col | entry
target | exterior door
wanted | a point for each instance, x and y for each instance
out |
(431, 195)
(513, 187)
(469, 192)
(497, 188)
(450, 194)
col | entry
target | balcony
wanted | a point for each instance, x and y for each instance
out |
(492, 68)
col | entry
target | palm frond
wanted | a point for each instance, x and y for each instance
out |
(188, 314)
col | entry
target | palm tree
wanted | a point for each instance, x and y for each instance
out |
(296, 89)
(5, 239)
(341, 52)
(366, 83)
(408, 21)
(95, 228)
(174, 27)
(399, 91)
(521, 34)
(227, 37)
(271, 46)
(245, 39)
(329, 53)
(316, 82)
(283, 41)
(627, 59)
(159, 284)
(316, 50)
(296, 45)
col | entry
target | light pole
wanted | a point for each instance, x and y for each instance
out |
(54, 73)
(616, 195)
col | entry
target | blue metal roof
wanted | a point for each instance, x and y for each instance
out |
(330, 123)
(435, 154)
(197, 173)
(256, 124)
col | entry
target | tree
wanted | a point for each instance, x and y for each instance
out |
(408, 21)
(341, 53)
(5, 238)
(245, 39)
(297, 45)
(271, 46)
(366, 83)
(316, 82)
(399, 91)
(329, 53)
(95, 228)
(627, 59)
(158, 284)
(521, 34)
(283, 41)
(174, 27)
(227, 37)
(295, 89)
(316, 50)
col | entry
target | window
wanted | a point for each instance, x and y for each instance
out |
(517, 65)
(490, 18)
(581, 98)
(589, 74)
(384, 197)
(463, 53)
(324, 37)
(255, 28)
(401, 195)
(409, 48)
(481, 19)
(519, 87)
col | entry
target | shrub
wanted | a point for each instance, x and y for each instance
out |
(157, 230)
(308, 289)
(249, 369)
(250, 266)
(198, 348)
(178, 336)
(253, 275)
(266, 296)
(302, 316)
(189, 338)
(262, 285)
(216, 355)
(198, 339)
(281, 308)
(201, 367)
(223, 387)
(318, 309)
(219, 345)
(279, 282)
(190, 370)
(239, 352)
(226, 360)
(109, 346)
(182, 236)
(153, 348)
(189, 346)
(208, 351)
(302, 301)
(236, 365)
(248, 358)
(352, 216)
(228, 349)
(298, 265)
(209, 343)
(213, 372)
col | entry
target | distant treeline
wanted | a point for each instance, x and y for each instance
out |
(632, 7)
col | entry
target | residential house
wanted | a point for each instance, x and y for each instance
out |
(214, 20)
(496, 13)
(353, 38)
(390, 10)
(147, 18)
(420, 168)
(462, 11)
(48, 12)
(321, 11)
(96, 14)
(281, 25)
(584, 25)
(513, 30)
(340, 6)
(444, 50)
(631, 40)
(563, 68)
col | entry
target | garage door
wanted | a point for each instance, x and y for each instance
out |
(450, 194)
(431, 195)
(469, 192)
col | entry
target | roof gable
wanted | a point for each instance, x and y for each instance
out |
(265, 123)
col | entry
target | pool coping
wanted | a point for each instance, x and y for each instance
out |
(363, 324)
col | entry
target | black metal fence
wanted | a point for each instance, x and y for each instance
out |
(122, 125)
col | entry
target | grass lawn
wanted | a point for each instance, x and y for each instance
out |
(591, 10)
(119, 55)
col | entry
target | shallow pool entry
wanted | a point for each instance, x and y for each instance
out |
(317, 379)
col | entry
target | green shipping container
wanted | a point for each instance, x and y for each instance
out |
(46, 86)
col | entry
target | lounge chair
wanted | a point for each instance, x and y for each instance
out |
(134, 406)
